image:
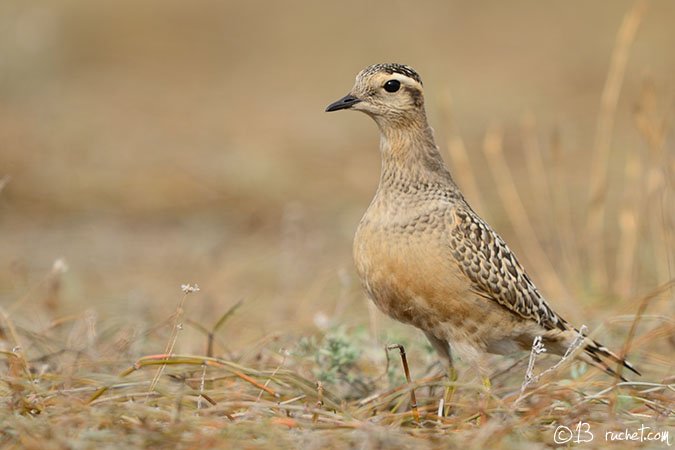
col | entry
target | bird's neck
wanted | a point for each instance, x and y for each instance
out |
(410, 154)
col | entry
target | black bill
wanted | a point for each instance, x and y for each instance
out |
(344, 103)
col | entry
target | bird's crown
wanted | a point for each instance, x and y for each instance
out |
(391, 68)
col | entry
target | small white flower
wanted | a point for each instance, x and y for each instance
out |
(59, 266)
(189, 288)
(321, 320)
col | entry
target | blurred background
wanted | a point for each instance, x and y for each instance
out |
(149, 144)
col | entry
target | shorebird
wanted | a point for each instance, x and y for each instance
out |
(427, 259)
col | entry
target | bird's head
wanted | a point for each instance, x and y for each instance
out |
(389, 93)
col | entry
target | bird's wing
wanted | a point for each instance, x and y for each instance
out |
(496, 274)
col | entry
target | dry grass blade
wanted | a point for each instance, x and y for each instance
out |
(463, 171)
(629, 224)
(638, 316)
(177, 326)
(220, 323)
(537, 170)
(164, 360)
(406, 369)
(610, 98)
(211, 334)
(18, 364)
(603, 136)
(517, 212)
(653, 119)
(276, 370)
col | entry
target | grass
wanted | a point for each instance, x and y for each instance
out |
(64, 385)
(276, 347)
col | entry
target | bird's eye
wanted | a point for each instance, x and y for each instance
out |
(392, 85)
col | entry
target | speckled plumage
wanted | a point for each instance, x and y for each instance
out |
(426, 258)
(495, 272)
(391, 68)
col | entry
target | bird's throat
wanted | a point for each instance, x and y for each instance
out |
(410, 153)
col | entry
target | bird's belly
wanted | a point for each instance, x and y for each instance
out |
(408, 276)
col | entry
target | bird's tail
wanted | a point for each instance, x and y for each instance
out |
(600, 356)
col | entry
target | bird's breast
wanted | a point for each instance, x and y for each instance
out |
(402, 259)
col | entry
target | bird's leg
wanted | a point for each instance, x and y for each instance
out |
(449, 388)
(443, 349)
(487, 392)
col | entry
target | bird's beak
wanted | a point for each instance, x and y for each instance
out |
(345, 102)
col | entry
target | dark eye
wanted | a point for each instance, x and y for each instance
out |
(392, 85)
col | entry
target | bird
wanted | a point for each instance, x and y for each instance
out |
(427, 259)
